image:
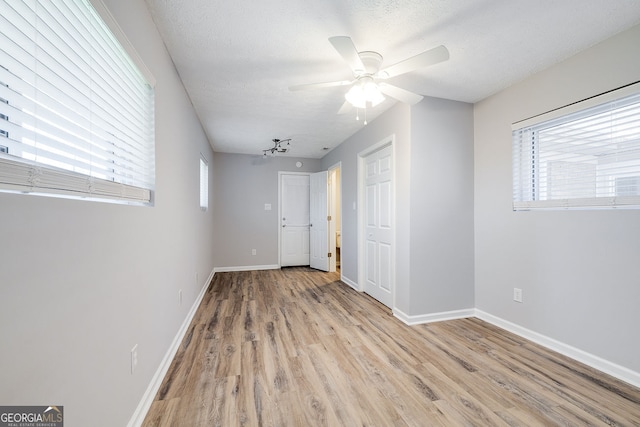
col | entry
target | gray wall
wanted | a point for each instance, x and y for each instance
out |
(243, 184)
(579, 270)
(82, 282)
(434, 203)
(441, 206)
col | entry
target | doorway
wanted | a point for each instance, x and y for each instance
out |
(310, 213)
(335, 211)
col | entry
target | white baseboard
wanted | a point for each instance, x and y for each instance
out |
(349, 282)
(434, 317)
(617, 371)
(147, 399)
(246, 268)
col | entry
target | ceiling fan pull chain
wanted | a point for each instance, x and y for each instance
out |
(365, 115)
(357, 114)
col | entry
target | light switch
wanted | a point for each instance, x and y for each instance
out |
(267, 206)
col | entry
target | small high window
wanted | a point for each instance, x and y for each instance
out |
(204, 184)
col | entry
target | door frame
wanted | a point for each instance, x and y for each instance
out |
(280, 173)
(362, 155)
(332, 226)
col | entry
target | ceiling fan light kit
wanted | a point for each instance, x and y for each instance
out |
(366, 87)
(363, 92)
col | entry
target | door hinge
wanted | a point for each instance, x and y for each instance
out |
(329, 255)
(329, 218)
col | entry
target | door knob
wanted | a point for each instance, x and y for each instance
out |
(310, 225)
(284, 225)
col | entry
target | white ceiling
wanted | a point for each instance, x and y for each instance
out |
(237, 58)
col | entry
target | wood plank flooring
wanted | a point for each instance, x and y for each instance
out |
(296, 347)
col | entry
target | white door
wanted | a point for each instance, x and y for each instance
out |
(294, 220)
(378, 225)
(319, 222)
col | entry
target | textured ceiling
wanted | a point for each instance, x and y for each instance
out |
(238, 58)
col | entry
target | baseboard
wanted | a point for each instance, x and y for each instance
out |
(349, 282)
(433, 317)
(602, 365)
(147, 399)
(246, 268)
(617, 371)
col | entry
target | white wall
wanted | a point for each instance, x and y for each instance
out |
(243, 184)
(82, 282)
(579, 270)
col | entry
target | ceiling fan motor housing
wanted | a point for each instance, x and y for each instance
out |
(371, 61)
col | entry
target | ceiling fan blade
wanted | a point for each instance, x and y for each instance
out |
(400, 94)
(319, 85)
(345, 47)
(424, 59)
(346, 107)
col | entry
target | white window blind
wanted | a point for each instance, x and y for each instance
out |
(204, 184)
(76, 114)
(584, 156)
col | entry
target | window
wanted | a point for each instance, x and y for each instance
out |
(586, 155)
(76, 111)
(204, 184)
(3, 132)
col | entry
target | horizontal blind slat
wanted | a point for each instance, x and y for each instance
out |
(30, 177)
(589, 157)
(72, 98)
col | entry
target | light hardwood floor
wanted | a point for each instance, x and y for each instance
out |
(297, 347)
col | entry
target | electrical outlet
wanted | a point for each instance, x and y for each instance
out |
(134, 358)
(253, 251)
(517, 294)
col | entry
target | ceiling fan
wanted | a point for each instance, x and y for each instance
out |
(368, 86)
(279, 146)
